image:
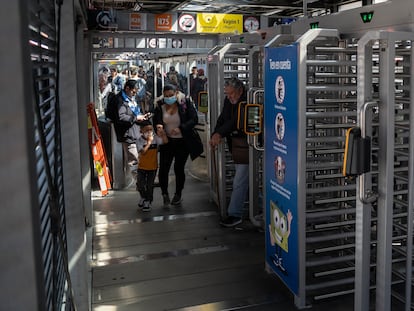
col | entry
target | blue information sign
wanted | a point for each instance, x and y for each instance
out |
(281, 162)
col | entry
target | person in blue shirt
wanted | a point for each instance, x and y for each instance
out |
(127, 126)
(117, 80)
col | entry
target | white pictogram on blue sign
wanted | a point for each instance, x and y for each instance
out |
(104, 19)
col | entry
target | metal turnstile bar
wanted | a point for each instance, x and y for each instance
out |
(334, 224)
(335, 100)
(334, 75)
(330, 114)
(335, 49)
(324, 238)
(334, 271)
(331, 260)
(328, 176)
(330, 189)
(334, 248)
(330, 283)
(330, 62)
(330, 88)
(334, 200)
(335, 294)
(322, 165)
(327, 213)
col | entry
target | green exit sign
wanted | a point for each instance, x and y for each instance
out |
(367, 16)
(314, 25)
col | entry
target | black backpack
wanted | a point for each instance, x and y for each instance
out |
(111, 109)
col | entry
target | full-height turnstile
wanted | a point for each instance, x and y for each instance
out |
(384, 228)
(255, 95)
(310, 101)
(327, 234)
(245, 62)
(230, 60)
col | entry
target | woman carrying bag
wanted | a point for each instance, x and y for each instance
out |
(177, 116)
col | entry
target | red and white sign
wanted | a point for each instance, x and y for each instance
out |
(135, 21)
(164, 22)
(187, 22)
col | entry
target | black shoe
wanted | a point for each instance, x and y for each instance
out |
(141, 203)
(166, 199)
(146, 206)
(230, 221)
(176, 200)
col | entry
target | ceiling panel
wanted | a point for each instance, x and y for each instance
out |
(245, 7)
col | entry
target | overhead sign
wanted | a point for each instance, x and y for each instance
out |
(367, 16)
(273, 21)
(187, 22)
(153, 43)
(103, 19)
(137, 21)
(164, 22)
(177, 43)
(219, 23)
(251, 23)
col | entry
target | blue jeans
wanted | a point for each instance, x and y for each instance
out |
(240, 190)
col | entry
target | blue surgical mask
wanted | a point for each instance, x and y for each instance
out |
(170, 100)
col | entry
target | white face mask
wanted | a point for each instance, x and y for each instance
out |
(147, 134)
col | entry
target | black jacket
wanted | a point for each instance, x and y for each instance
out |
(188, 120)
(186, 111)
(226, 124)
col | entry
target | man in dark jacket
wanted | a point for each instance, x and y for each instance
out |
(226, 127)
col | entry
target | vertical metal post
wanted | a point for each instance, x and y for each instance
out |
(363, 210)
(118, 168)
(305, 8)
(300, 299)
(385, 174)
(303, 42)
(410, 211)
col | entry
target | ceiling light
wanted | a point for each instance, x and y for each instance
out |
(272, 12)
(137, 7)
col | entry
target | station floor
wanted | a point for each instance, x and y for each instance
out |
(179, 258)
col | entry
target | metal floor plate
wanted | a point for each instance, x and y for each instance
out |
(178, 258)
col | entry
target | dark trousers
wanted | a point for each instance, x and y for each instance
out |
(176, 150)
(145, 183)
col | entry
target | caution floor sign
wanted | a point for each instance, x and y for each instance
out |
(98, 151)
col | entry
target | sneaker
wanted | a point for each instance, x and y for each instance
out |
(141, 203)
(231, 221)
(166, 199)
(147, 206)
(176, 200)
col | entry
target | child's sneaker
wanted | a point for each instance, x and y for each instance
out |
(147, 206)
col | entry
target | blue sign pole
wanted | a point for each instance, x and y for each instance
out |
(281, 163)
